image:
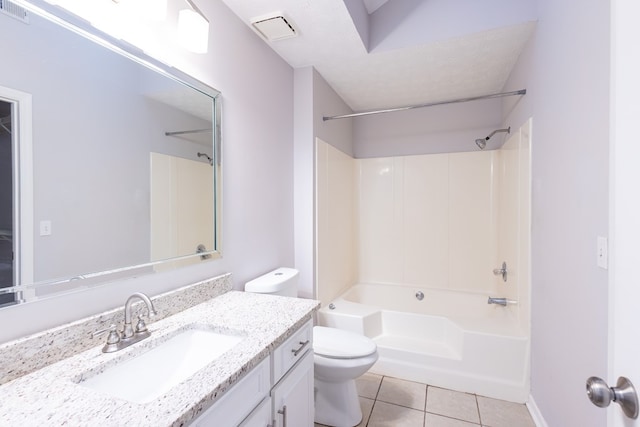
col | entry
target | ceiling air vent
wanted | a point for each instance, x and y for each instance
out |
(274, 28)
(15, 11)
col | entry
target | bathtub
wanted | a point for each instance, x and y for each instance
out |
(448, 339)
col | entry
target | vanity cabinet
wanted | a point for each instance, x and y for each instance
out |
(292, 397)
(261, 416)
(237, 403)
(276, 393)
(292, 392)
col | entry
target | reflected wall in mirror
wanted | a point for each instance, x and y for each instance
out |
(99, 116)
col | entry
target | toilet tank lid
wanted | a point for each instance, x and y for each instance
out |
(273, 281)
(341, 344)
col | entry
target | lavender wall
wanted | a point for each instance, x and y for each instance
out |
(440, 129)
(314, 98)
(565, 69)
(257, 90)
(416, 21)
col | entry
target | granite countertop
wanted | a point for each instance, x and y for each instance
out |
(52, 397)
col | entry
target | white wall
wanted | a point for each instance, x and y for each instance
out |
(513, 220)
(427, 220)
(336, 219)
(565, 70)
(446, 220)
(439, 129)
(440, 220)
(257, 124)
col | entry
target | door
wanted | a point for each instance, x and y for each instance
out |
(6, 201)
(624, 233)
(21, 199)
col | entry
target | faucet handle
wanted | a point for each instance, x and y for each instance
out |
(141, 326)
(113, 339)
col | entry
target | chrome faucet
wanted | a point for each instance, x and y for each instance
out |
(118, 340)
(501, 301)
(128, 332)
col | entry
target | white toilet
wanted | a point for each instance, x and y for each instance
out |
(339, 357)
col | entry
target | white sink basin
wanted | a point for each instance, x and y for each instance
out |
(151, 374)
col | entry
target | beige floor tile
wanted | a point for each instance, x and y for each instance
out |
(452, 404)
(433, 420)
(403, 393)
(388, 415)
(368, 385)
(500, 413)
(366, 405)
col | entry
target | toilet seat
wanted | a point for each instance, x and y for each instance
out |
(340, 344)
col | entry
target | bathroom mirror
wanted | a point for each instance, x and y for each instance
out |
(115, 164)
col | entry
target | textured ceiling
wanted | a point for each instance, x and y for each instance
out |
(424, 60)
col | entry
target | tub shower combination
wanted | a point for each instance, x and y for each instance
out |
(449, 339)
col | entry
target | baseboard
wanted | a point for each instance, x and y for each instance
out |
(538, 419)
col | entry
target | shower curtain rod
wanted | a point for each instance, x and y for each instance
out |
(185, 132)
(411, 107)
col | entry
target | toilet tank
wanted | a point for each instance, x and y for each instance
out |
(282, 281)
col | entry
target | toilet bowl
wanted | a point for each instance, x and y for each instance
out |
(339, 357)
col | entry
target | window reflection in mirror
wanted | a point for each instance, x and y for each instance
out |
(98, 119)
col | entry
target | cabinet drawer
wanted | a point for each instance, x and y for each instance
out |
(239, 401)
(292, 350)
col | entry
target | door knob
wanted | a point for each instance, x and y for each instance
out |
(623, 393)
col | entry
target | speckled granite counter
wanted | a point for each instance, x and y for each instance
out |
(52, 397)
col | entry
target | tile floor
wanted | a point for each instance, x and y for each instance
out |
(391, 402)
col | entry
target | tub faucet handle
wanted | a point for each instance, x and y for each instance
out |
(501, 271)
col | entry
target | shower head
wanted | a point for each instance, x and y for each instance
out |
(482, 142)
(207, 157)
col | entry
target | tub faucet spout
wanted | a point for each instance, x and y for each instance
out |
(500, 301)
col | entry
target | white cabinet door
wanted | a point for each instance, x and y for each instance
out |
(261, 416)
(292, 397)
(238, 402)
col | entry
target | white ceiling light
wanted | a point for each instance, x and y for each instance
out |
(193, 29)
(275, 27)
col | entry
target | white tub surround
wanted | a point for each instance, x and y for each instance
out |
(52, 396)
(449, 339)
